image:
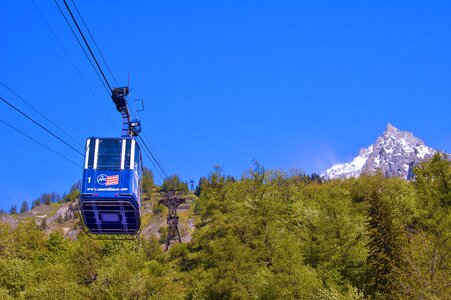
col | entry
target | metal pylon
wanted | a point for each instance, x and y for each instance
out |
(172, 200)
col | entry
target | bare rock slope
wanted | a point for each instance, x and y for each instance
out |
(394, 154)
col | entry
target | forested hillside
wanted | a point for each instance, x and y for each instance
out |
(267, 235)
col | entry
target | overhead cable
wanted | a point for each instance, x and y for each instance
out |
(153, 157)
(87, 44)
(71, 61)
(153, 150)
(43, 145)
(108, 90)
(92, 38)
(43, 127)
(41, 114)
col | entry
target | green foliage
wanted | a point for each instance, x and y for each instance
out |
(433, 184)
(14, 274)
(157, 207)
(163, 231)
(24, 207)
(174, 183)
(202, 181)
(13, 209)
(4, 294)
(151, 247)
(428, 255)
(147, 181)
(72, 196)
(43, 224)
(268, 235)
(333, 231)
(27, 241)
(46, 199)
(385, 238)
(35, 203)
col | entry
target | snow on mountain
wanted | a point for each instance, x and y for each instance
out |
(394, 154)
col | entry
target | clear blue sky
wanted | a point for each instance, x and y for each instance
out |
(291, 84)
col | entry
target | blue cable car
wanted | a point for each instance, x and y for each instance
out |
(111, 189)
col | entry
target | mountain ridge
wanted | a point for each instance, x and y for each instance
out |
(394, 153)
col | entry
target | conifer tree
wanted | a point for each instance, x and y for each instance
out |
(429, 257)
(35, 203)
(13, 209)
(148, 181)
(385, 241)
(24, 207)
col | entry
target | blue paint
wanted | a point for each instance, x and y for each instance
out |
(111, 196)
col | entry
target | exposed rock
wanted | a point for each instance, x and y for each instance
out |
(8, 219)
(394, 154)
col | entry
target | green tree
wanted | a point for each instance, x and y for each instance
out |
(386, 242)
(43, 224)
(73, 195)
(174, 183)
(14, 275)
(148, 181)
(13, 209)
(332, 228)
(24, 207)
(46, 199)
(35, 203)
(202, 181)
(428, 272)
(246, 244)
(27, 241)
(152, 247)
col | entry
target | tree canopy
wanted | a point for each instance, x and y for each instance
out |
(268, 235)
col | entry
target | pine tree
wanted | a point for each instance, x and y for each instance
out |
(174, 182)
(148, 181)
(43, 224)
(35, 203)
(429, 256)
(46, 199)
(24, 207)
(13, 209)
(385, 241)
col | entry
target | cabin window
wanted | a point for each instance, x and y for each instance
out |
(109, 154)
(90, 150)
(137, 160)
(127, 154)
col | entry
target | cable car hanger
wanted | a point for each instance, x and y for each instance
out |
(112, 179)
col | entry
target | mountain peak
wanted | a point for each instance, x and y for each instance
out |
(391, 129)
(394, 154)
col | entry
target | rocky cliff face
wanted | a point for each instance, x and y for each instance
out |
(394, 154)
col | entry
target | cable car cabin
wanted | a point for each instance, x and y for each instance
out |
(111, 192)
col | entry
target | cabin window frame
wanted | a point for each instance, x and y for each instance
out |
(130, 155)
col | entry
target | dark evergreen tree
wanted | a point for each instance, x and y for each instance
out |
(13, 209)
(24, 207)
(315, 177)
(35, 203)
(43, 224)
(428, 273)
(202, 181)
(46, 199)
(174, 183)
(148, 181)
(76, 186)
(385, 241)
